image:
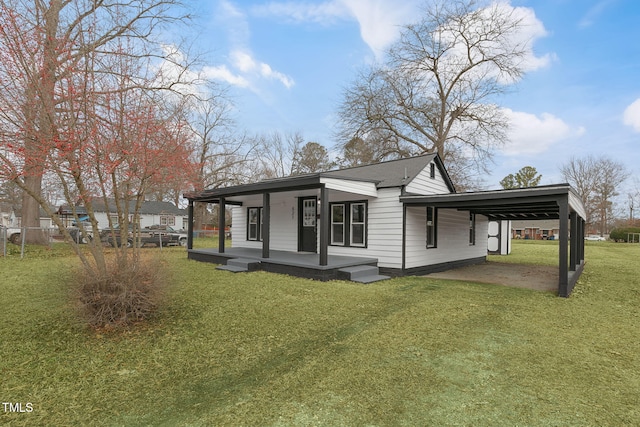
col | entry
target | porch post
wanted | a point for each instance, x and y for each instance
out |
(324, 226)
(266, 223)
(190, 225)
(563, 265)
(221, 225)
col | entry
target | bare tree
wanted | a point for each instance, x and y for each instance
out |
(275, 154)
(220, 153)
(596, 179)
(436, 91)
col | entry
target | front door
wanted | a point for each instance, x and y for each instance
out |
(307, 230)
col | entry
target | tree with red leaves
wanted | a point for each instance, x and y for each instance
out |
(81, 100)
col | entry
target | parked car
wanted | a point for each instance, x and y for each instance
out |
(595, 238)
(178, 237)
(145, 236)
(13, 234)
(77, 235)
(80, 237)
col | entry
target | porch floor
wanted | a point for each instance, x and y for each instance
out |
(302, 264)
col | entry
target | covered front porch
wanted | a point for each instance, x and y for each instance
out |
(302, 264)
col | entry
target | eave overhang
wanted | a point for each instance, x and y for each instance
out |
(295, 183)
(527, 203)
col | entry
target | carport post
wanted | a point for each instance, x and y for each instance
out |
(563, 250)
(575, 231)
(221, 225)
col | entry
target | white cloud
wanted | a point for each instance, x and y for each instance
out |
(249, 66)
(379, 20)
(530, 134)
(234, 21)
(222, 73)
(531, 29)
(246, 71)
(631, 115)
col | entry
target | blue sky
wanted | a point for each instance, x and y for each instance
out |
(287, 62)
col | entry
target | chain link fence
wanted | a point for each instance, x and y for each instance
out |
(13, 240)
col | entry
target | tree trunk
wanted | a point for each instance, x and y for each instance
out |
(199, 215)
(31, 212)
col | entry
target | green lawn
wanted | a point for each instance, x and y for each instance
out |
(265, 349)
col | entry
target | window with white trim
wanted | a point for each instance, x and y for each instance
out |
(337, 224)
(167, 220)
(254, 224)
(358, 214)
(349, 224)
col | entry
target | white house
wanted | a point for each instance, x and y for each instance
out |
(401, 217)
(151, 213)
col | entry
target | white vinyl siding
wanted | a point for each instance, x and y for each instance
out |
(146, 220)
(575, 201)
(363, 188)
(424, 184)
(284, 224)
(384, 231)
(453, 237)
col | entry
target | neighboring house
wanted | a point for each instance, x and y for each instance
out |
(6, 210)
(15, 218)
(535, 230)
(151, 213)
(401, 217)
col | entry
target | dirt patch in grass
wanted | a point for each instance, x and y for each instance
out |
(537, 277)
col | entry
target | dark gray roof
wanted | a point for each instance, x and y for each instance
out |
(148, 207)
(393, 173)
(153, 207)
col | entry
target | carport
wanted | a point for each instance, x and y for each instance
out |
(559, 202)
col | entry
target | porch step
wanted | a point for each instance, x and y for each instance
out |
(232, 268)
(239, 265)
(362, 274)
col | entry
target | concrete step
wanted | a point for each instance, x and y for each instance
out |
(370, 279)
(361, 274)
(241, 262)
(246, 263)
(232, 268)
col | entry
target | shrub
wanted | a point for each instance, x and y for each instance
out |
(622, 234)
(124, 295)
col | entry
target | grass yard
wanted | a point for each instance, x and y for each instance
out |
(265, 349)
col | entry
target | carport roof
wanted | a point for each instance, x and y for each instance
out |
(526, 203)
